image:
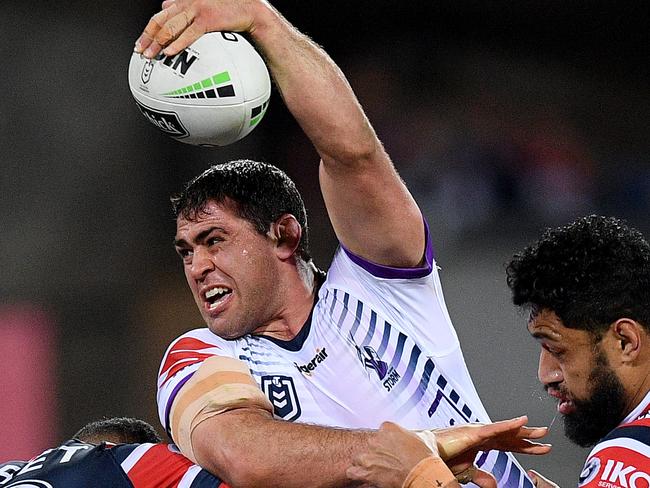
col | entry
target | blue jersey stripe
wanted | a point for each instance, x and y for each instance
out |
(384, 339)
(408, 374)
(357, 318)
(500, 466)
(417, 395)
(371, 327)
(261, 363)
(401, 339)
(344, 310)
(333, 301)
(513, 477)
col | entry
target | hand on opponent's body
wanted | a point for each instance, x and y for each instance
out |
(398, 458)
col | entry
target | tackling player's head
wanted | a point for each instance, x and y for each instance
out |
(118, 430)
(587, 288)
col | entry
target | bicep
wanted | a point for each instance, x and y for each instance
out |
(372, 211)
(221, 384)
(220, 443)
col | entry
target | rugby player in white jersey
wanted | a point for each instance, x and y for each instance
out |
(371, 342)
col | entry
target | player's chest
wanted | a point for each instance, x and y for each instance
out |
(338, 379)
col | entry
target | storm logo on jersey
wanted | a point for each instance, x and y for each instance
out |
(371, 360)
(281, 391)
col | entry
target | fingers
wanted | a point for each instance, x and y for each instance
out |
(174, 31)
(484, 479)
(153, 27)
(540, 481)
(504, 426)
(535, 448)
(169, 27)
(534, 476)
(532, 432)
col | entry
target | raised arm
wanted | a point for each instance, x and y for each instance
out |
(372, 212)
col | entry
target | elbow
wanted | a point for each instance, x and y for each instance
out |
(231, 465)
(355, 155)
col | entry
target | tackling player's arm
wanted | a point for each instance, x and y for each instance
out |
(371, 210)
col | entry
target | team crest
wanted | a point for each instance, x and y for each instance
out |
(281, 391)
(371, 360)
(388, 375)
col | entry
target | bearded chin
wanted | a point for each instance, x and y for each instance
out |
(595, 417)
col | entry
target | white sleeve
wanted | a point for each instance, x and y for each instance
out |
(411, 297)
(181, 360)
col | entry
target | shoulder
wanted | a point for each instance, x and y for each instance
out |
(191, 348)
(620, 458)
(161, 465)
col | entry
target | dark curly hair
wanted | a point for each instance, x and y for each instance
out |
(590, 273)
(261, 192)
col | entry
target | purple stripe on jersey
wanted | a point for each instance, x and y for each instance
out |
(388, 272)
(170, 402)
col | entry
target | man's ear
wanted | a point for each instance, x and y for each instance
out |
(286, 231)
(629, 336)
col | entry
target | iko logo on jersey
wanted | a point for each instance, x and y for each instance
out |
(615, 474)
(371, 361)
(281, 391)
(307, 369)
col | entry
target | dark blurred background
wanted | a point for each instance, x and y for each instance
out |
(502, 117)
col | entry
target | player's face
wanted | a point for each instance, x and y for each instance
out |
(230, 268)
(575, 370)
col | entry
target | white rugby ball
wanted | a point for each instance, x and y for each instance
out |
(211, 94)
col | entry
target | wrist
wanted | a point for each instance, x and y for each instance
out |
(430, 471)
(265, 21)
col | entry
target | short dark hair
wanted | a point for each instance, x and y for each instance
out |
(590, 273)
(261, 193)
(118, 430)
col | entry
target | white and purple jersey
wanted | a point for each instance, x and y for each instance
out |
(379, 345)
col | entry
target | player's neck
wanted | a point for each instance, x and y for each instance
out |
(297, 302)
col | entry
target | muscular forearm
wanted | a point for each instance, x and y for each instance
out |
(315, 91)
(250, 449)
(371, 210)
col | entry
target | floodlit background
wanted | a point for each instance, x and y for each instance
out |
(502, 117)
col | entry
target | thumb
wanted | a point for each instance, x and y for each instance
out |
(484, 479)
(540, 481)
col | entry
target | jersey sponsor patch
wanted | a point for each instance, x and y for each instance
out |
(281, 391)
(617, 463)
(310, 367)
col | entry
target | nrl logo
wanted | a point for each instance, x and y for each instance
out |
(281, 391)
(146, 71)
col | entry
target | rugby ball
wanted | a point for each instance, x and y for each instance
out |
(212, 93)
